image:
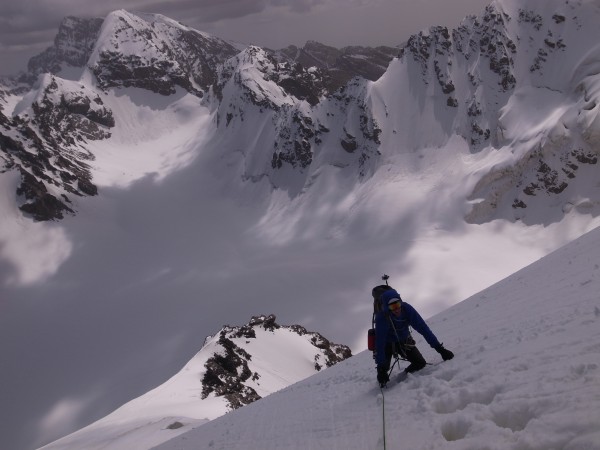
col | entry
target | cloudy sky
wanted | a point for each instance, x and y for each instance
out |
(27, 27)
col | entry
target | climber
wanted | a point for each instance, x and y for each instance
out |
(392, 334)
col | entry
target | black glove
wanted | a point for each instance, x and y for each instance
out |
(382, 376)
(446, 354)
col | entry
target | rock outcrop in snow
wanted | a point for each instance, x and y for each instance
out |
(228, 373)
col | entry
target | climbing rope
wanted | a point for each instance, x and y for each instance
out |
(397, 360)
(383, 416)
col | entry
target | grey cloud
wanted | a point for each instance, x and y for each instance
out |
(300, 6)
(205, 11)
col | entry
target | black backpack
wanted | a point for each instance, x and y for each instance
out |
(376, 293)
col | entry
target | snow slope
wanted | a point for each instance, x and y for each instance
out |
(526, 376)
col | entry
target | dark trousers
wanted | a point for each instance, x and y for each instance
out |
(407, 351)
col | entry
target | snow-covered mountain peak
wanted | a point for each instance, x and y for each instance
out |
(267, 82)
(236, 350)
(153, 52)
(519, 78)
(237, 366)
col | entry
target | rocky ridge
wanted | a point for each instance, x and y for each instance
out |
(228, 373)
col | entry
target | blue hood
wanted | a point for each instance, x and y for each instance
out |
(386, 297)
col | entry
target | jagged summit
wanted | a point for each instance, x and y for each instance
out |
(228, 373)
(72, 47)
(516, 79)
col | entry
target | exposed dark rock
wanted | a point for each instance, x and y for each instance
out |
(175, 425)
(519, 204)
(349, 143)
(296, 136)
(226, 373)
(548, 180)
(584, 157)
(41, 205)
(46, 148)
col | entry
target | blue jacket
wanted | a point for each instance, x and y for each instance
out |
(385, 333)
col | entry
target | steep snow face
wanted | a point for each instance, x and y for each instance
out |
(520, 78)
(525, 375)
(290, 129)
(236, 367)
(550, 122)
(154, 136)
(492, 82)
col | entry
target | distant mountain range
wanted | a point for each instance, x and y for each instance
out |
(323, 105)
(44, 137)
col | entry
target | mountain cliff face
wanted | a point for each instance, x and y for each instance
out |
(73, 46)
(317, 106)
(45, 144)
(156, 53)
(301, 121)
(518, 83)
